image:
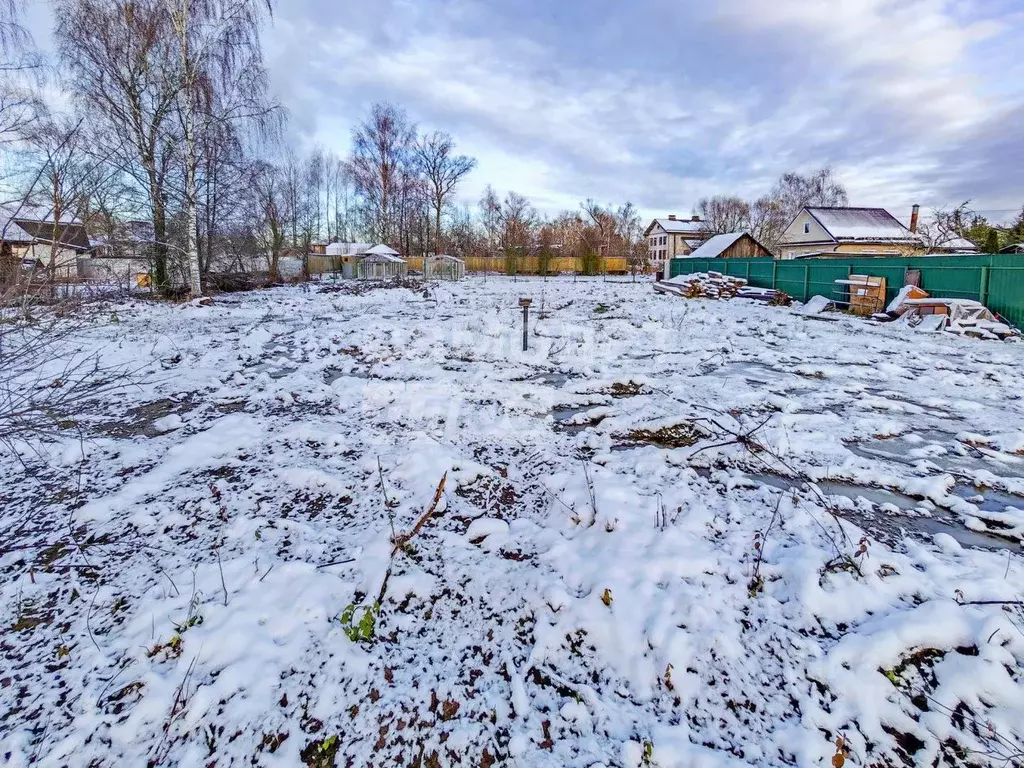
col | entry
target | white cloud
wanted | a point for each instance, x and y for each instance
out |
(883, 90)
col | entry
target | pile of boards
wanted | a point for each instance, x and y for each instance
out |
(702, 285)
(714, 285)
(916, 309)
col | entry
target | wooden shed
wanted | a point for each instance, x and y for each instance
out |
(734, 245)
(443, 267)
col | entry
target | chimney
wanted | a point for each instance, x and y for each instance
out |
(671, 217)
(913, 217)
(695, 218)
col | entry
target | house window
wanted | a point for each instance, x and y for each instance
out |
(807, 227)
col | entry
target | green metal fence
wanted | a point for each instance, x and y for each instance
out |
(996, 280)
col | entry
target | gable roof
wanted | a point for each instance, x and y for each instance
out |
(856, 224)
(719, 244)
(346, 249)
(382, 258)
(381, 250)
(30, 224)
(676, 226)
(958, 244)
(10, 232)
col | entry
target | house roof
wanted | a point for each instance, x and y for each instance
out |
(1013, 248)
(29, 224)
(958, 245)
(717, 245)
(72, 235)
(854, 224)
(10, 232)
(346, 249)
(676, 226)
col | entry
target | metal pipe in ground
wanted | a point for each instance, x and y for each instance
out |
(525, 304)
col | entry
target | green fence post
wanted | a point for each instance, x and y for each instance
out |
(747, 264)
(807, 282)
(983, 290)
(775, 284)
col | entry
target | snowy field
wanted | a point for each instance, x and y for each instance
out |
(673, 533)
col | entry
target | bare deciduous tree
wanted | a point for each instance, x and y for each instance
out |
(67, 177)
(629, 231)
(517, 219)
(380, 156)
(273, 211)
(125, 71)
(20, 67)
(221, 78)
(721, 215)
(443, 170)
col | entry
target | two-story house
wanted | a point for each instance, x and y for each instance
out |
(835, 232)
(672, 237)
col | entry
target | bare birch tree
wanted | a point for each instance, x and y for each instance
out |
(381, 148)
(124, 70)
(220, 61)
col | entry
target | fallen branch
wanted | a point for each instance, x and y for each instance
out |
(403, 540)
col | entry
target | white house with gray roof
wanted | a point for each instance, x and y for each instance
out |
(672, 237)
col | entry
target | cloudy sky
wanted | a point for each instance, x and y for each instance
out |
(664, 101)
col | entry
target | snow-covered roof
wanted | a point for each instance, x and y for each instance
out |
(12, 233)
(678, 226)
(958, 245)
(38, 213)
(380, 258)
(861, 224)
(346, 249)
(381, 250)
(1013, 248)
(716, 246)
(446, 257)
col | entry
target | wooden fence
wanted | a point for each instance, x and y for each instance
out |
(526, 265)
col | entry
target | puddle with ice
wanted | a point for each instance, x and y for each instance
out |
(331, 375)
(567, 419)
(938, 448)
(989, 500)
(891, 527)
(751, 370)
(553, 379)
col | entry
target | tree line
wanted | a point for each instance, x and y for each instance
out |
(171, 136)
(169, 122)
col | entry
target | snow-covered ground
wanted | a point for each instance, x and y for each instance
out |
(627, 565)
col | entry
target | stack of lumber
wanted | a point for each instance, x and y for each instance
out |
(702, 285)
